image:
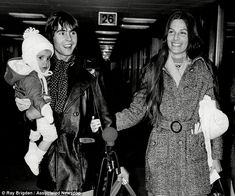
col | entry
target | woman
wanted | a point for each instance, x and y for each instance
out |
(174, 83)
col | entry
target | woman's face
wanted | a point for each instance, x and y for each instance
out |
(65, 41)
(177, 38)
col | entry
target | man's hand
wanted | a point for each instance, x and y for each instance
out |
(95, 124)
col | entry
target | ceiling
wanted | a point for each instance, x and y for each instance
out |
(87, 13)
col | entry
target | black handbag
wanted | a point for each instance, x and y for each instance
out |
(217, 189)
(57, 167)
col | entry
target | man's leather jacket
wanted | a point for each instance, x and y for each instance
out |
(73, 161)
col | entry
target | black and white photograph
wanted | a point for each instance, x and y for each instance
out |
(117, 98)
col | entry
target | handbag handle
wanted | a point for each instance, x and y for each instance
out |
(215, 192)
(117, 185)
(221, 186)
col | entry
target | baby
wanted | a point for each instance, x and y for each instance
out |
(27, 75)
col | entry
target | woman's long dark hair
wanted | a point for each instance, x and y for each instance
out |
(154, 70)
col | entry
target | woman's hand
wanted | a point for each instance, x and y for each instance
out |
(197, 128)
(216, 165)
(95, 124)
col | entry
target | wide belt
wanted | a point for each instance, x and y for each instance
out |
(177, 126)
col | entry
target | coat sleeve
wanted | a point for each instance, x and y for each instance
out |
(131, 116)
(34, 92)
(217, 143)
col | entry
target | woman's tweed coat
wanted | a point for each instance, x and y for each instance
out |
(176, 163)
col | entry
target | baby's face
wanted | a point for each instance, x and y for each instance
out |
(43, 59)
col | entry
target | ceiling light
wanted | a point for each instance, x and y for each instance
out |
(230, 36)
(18, 38)
(231, 24)
(139, 20)
(106, 42)
(106, 46)
(107, 32)
(35, 22)
(229, 29)
(107, 38)
(125, 26)
(10, 35)
(107, 50)
(1, 28)
(109, 47)
(26, 15)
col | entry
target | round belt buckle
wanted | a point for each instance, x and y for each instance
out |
(176, 127)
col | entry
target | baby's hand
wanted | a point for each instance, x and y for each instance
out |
(95, 124)
(22, 104)
(47, 98)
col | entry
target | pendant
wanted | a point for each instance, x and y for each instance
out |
(178, 66)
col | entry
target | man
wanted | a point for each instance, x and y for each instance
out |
(73, 162)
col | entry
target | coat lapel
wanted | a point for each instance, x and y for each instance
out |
(173, 71)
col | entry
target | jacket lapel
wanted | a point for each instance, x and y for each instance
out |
(78, 89)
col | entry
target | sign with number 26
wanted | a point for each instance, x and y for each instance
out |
(107, 18)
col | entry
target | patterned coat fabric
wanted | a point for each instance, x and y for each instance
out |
(176, 163)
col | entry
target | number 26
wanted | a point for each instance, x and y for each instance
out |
(107, 18)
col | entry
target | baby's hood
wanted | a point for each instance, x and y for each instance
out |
(16, 70)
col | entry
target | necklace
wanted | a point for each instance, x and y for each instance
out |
(178, 62)
(178, 65)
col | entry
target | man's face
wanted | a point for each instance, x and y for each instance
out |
(65, 41)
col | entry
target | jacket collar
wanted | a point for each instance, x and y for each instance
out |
(84, 79)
